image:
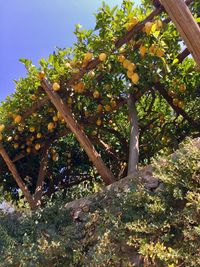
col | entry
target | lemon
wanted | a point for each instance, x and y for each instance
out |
(37, 147)
(129, 74)
(88, 56)
(131, 67)
(113, 103)
(126, 63)
(159, 53)
(182, 89)
(99, 108)
(102, 57)
(96, 94)
(68, 65)
(180, 104)
(16, 146)
(2, 127)
(135, 78)
(121, 58)
(51, 126)
(39, 135)
(28, 150)
(148, 27)
(159, 25)
(56, 86)
(142, 50)
(32, 129)
(41, 75)
(17, 119)
(108, 108)
(98, 122)
(175, 101)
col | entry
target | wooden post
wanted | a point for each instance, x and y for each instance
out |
(134, 137)
(93, 155)
(17, 177)
(185, 24)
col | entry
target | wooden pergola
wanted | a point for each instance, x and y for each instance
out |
(188, 29)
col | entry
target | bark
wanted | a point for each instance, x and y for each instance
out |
(17, 177)
(84, 141)
(134, 138)
(42, 174)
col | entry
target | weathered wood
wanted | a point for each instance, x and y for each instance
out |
(185, 24)
(134, 137)
(93, 155)
(17, 177)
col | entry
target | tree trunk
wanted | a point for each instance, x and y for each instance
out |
(17, 177)
(185, 24)
(93, 155)
(134, 137)
(42, 174)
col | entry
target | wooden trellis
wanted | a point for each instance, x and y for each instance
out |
(190, 32)
(185, 24)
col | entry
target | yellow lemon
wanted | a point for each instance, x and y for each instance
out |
(159, 25)
(113, 103)
(142, 50)
(148, 27)
(121, 58)
(16, 146)
(17, 119)
(32, 129)
(180, 104)
(88, 56)
(175, 101)
(28, 150)
(96, 94)
(55, 118)
(129, 74)
(108, 108)
(2, 127)
(99, 108)
(135, 78)
(182, 89)
(56, 86)
(37, 147)
(39, 135)
(126, 63)
(131, 67)
(159, 53)
(51, 126)
(41, 75)
(102, 57)
(98, 122)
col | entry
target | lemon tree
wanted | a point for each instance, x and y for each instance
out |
(132, 53)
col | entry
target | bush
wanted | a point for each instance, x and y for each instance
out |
(159, 228)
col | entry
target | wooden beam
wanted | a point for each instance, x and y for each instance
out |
(93, 155)
(185, 24)
(159, 87)
(17, 177)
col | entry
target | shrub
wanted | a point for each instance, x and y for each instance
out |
(159, 228)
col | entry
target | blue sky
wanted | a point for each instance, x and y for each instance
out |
(32, 29)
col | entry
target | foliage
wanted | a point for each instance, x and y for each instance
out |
(161, 226)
